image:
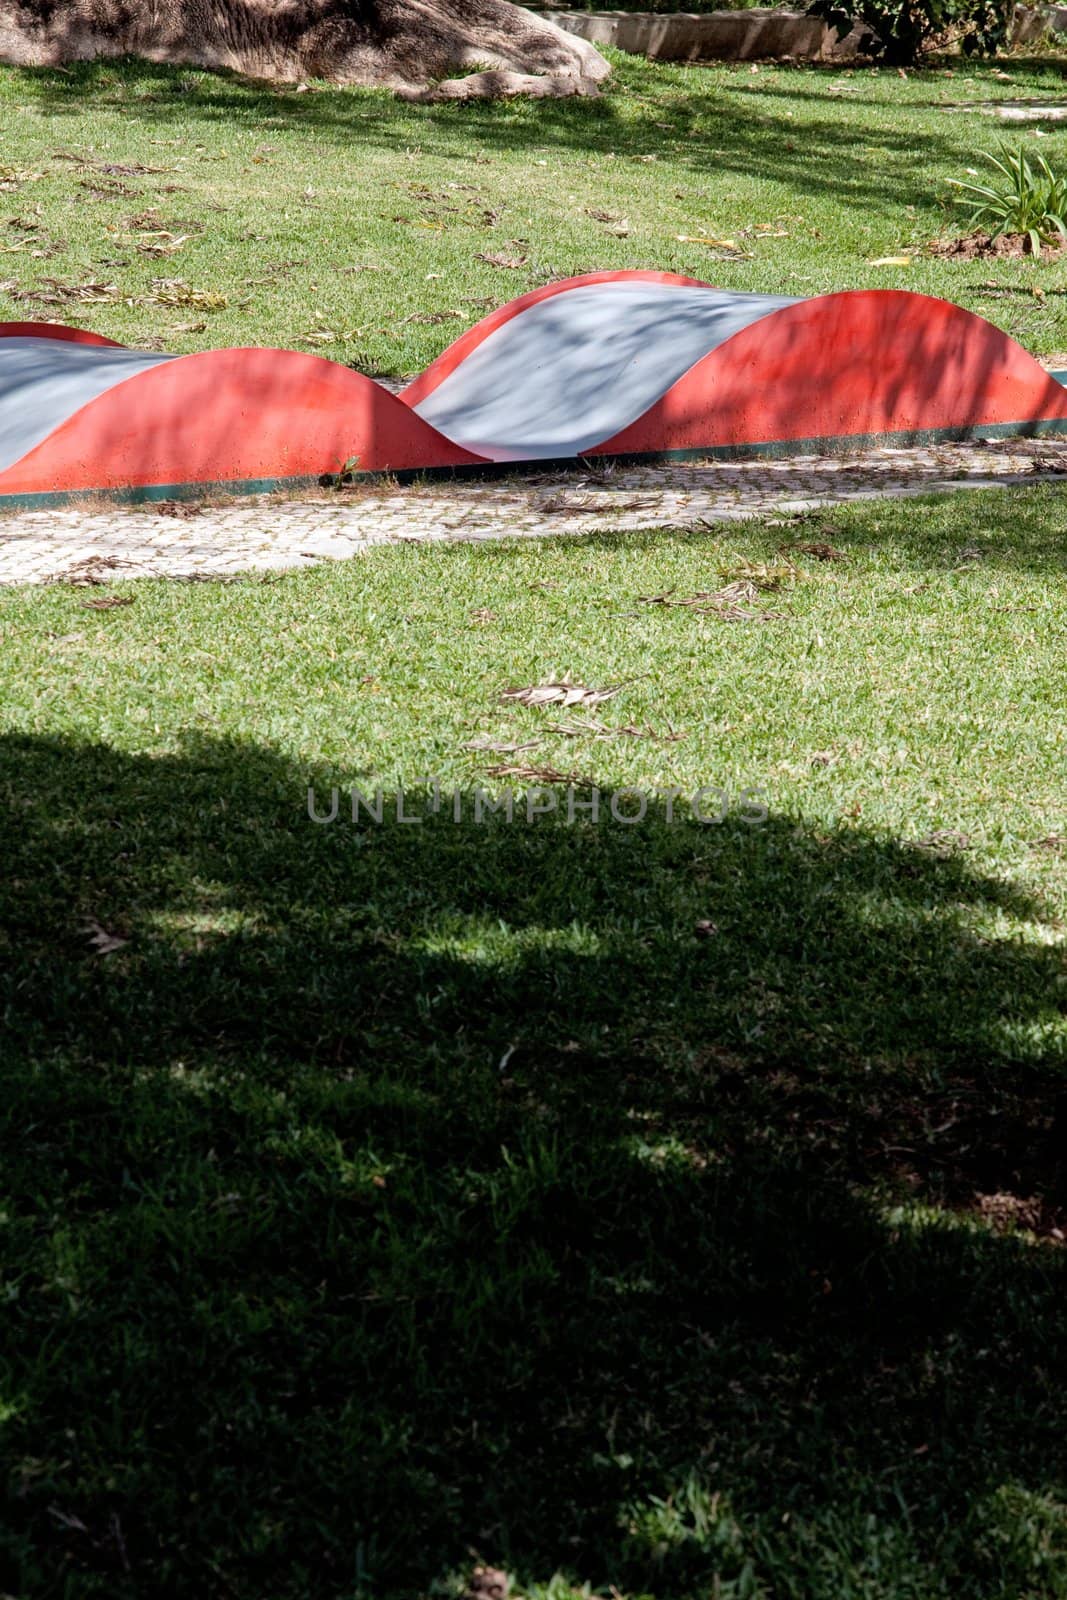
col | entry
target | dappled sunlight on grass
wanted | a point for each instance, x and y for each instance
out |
(350, 224)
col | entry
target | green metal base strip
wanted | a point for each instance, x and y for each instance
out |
(151, 494)
(847, 445)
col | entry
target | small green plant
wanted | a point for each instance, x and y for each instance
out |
(1028, 197)
(693, 1534)
(346, 472)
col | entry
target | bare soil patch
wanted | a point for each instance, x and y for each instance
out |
(981, 247)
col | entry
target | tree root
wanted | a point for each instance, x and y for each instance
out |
(413, 47)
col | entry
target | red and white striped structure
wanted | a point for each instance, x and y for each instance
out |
(614, 363)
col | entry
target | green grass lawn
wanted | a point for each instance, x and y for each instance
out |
(671, 1206)
(353, 224)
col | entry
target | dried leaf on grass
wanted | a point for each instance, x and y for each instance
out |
(328, 336)
(11, 179)
(40, 247)
(593, 729)
(60, 291)
(728, 249)
(113, 169)
(488, 1583)
(745, 582)
(146, 220)
(176, 292)
(740, 614)
(528, 774)
(35, 242)
(741, 592)
(103, 942)
(819, 551)
(561, 692)
(162, 243)
(164, 292)
(105, 189)
(730, 604)
(762, 575)
(499, 747)
(942, 842)
(1012, 1213)
(814, 518)
(506, 263)
(615, 224)
(431, 318)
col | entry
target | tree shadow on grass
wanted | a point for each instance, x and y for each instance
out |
(721, 128)
(598, 1197)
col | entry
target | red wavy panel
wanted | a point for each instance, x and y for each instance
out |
(53, 330)
(231, 415)
(859, 363)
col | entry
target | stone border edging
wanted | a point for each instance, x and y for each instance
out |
(756, 34)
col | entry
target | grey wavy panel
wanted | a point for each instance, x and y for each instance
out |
(573, 370)
(45, 381)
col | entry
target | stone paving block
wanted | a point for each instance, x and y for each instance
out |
(270, 533)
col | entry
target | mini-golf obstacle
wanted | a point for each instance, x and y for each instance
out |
(610, 364)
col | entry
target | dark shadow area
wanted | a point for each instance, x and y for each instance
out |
(401, 1191)
(995, 291)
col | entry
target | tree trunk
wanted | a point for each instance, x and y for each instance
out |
(419, 48)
